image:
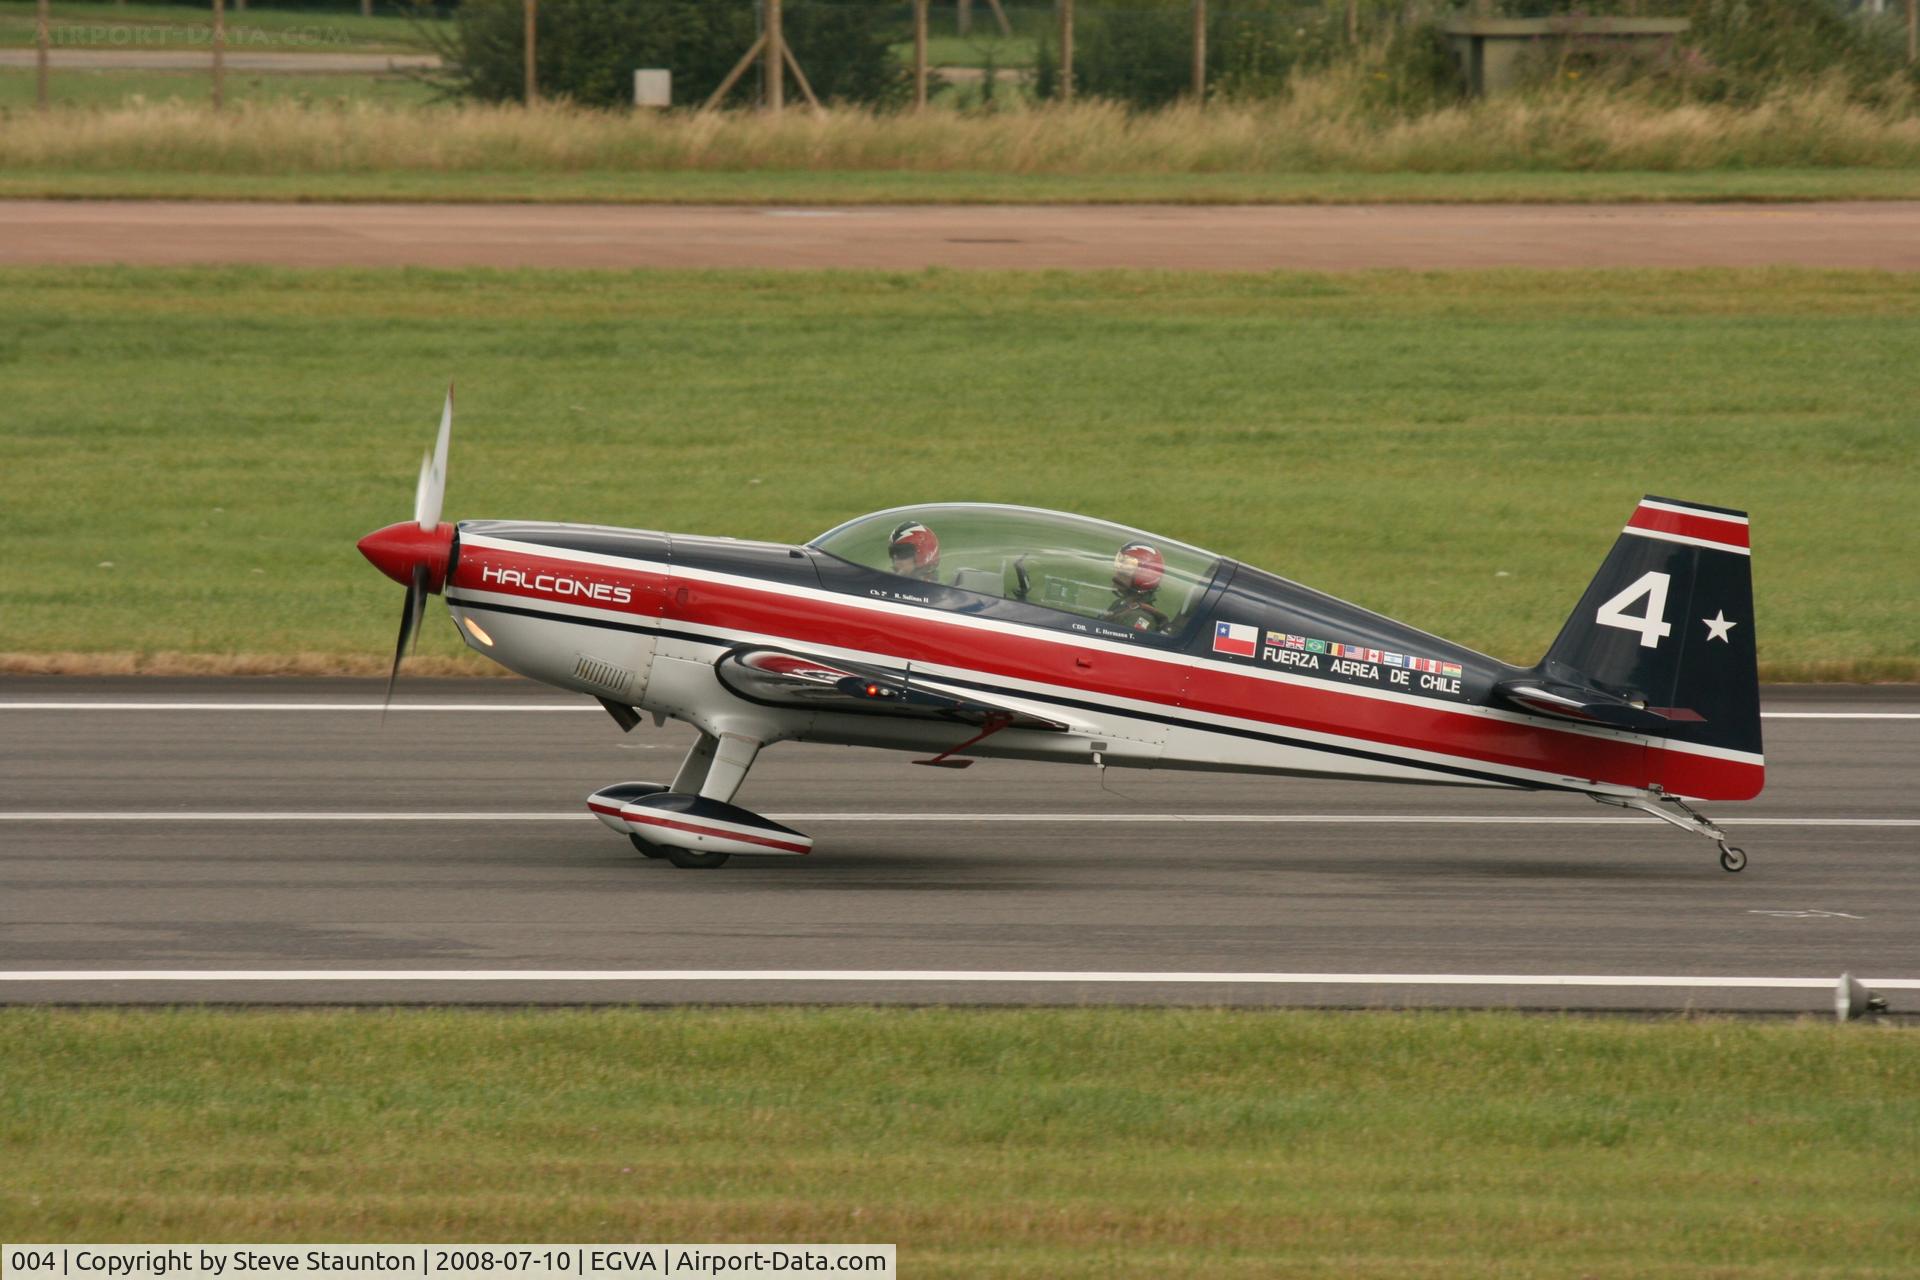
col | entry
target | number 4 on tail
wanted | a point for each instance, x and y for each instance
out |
(1651, 626)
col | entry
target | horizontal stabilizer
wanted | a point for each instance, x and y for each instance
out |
(1588, 705)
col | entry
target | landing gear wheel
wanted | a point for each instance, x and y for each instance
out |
(1732, 859)
(692, 861)
(646, 848)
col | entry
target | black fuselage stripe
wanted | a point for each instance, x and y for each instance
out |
(1051, 699)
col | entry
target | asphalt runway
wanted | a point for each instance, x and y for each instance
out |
(266, 834)
(1878, 235)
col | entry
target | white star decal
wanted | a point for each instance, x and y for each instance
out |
(1718, 626)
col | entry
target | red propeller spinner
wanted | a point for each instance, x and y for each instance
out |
(400, 548)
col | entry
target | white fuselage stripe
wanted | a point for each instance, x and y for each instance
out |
(1203, 819)
(971, 976)
(520, 707)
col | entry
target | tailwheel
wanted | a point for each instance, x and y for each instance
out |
(1674, 810)
(646, 848)
(693, 861)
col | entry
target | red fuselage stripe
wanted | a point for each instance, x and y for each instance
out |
(654, 820)
(1705, 527)
(1214, 688)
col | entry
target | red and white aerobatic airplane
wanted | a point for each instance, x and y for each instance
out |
(968, 630)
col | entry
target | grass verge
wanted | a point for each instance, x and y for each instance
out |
(1054, 1143)
(784, 187)
(1316, 144)
(189, 455)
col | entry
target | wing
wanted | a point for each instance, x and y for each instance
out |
(775, 677)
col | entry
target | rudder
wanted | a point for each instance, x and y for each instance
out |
(1666, 631)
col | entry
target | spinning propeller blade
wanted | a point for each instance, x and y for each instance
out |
(433, 473)
(410, 613)
(415, 553)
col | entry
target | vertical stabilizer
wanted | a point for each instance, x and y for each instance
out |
(1667, 628)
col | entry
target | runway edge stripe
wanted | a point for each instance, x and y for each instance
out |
(1725, 982)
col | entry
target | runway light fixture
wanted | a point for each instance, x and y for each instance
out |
(1852, 1000)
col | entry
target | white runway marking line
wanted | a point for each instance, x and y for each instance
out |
(1219, 819)
(568, 707)
(1052, 977)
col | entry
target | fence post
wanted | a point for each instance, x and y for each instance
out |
(219, 54)
(531, 11)
(1200, 51)
(919, 55)
(1066, 50)
(776, 69)
(1913, 31)
(40, 42)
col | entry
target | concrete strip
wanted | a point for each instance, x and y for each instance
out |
(1864, 235)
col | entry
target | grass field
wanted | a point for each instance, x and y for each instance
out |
(121, 89)
(188, 456)
(987, 1144)
(74, 25)
(1008, 53)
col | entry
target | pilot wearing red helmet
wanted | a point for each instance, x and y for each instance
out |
(1137, 571)
(914, 551)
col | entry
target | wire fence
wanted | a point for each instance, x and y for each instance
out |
(960, 53)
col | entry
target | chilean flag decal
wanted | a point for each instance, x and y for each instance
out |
(1235, 638)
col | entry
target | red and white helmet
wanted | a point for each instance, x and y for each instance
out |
(1138, 569)
(912, 540)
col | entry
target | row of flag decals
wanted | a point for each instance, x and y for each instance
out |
(1242, 641)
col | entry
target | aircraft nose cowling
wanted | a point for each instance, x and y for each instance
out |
(396, 549)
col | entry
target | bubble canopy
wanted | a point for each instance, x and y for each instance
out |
(1046, 558)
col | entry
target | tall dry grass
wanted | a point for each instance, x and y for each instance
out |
(1322, 126)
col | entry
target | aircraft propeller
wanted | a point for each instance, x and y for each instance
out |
(415, 552)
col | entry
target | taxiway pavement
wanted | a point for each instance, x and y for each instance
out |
(1875, 235)
(161, 826)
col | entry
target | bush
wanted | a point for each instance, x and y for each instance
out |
(587, 50)
(1734, 51)
(1412, 71)
(1748, 48)
(1144, 56)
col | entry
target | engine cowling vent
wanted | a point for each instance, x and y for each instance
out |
(602, 675)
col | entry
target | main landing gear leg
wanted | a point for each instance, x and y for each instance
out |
(694, 769)
(732, 755)
(1674, 810)
(713, 770)
(687, 782)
